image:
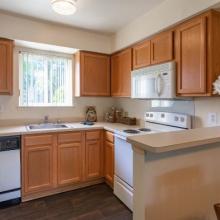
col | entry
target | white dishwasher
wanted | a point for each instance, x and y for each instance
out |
(10, 171)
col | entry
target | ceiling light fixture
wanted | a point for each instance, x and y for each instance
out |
(64, 7)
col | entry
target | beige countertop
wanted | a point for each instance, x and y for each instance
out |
(176, 140)
(21, 130)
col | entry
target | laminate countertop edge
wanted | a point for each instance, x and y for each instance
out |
(22, 130)
(176, 140)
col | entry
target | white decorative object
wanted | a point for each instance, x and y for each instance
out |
(216, 86)
(64, 7)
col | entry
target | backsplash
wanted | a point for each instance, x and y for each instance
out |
(137, 108)
(12, 114)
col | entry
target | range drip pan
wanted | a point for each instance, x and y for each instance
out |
(144, 129)
(131, 131)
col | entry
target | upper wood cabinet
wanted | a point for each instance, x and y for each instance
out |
(6, 66)
(37, 163)
(198, 53)
(92, 74)
(158, 49)
(141, 55)
(121, 66)
(70, 157)
(162, 48)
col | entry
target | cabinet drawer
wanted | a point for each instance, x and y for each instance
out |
(93, 135)
(69, 137)
(109, 136)
(38, 140)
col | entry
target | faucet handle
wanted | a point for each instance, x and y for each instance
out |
(46, 119)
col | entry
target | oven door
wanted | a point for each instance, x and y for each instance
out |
(123, 160)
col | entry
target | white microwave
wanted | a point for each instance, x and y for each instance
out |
(154, 82)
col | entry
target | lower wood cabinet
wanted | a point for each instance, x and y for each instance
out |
(94, 155)
(70, 158)
(56, 162)
(37, 166)
(109, 158)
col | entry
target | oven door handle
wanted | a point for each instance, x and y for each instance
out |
(120, 136)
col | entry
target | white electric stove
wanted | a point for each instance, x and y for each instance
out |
(154, 122)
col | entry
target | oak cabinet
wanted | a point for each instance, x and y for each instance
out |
(191, 43)
(92, 75)
(70, 157)
(37, 166)
(6, 66)
(162, 48)
(198, 43)
(94, 155)
(59, 162)
(141, 55)
(109, 158)
(121, 66)
(158, 49)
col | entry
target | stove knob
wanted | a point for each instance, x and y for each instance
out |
(176, 118)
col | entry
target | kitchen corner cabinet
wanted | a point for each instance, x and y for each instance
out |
(92, 74)
(38, 163)
(6, 66)
(198, 43)
(121, 66)
(94, 155)
(109, 158)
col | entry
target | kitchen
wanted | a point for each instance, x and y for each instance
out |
(150, 71)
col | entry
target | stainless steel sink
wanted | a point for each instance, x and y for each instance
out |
(46, 126)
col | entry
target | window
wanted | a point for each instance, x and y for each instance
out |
(45, 80)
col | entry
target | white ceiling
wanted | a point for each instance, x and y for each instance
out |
(105, 16)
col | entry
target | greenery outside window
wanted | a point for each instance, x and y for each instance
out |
(45, 80)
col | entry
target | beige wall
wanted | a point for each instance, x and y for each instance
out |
(203, 106)
(21, 28)
(162, 16)
(12, 113)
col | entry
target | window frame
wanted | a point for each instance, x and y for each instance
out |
(46, 54)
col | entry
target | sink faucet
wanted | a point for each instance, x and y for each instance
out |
(46, 119)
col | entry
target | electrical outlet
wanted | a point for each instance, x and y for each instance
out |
(212, 118)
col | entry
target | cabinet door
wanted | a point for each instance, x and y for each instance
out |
(141, 55)
(94, 74)
(94, 167)
(191, 57)
(69, 163)
(38, 168)
(109, 162)
(121, 65)
(162, 47)
(6, 57)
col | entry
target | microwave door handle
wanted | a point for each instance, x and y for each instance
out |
(156, 85)
(158, 82)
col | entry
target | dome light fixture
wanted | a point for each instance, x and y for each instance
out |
(64, 7)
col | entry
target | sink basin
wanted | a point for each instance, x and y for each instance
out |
(46, 126)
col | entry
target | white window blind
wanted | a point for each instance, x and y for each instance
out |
(45, 80)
